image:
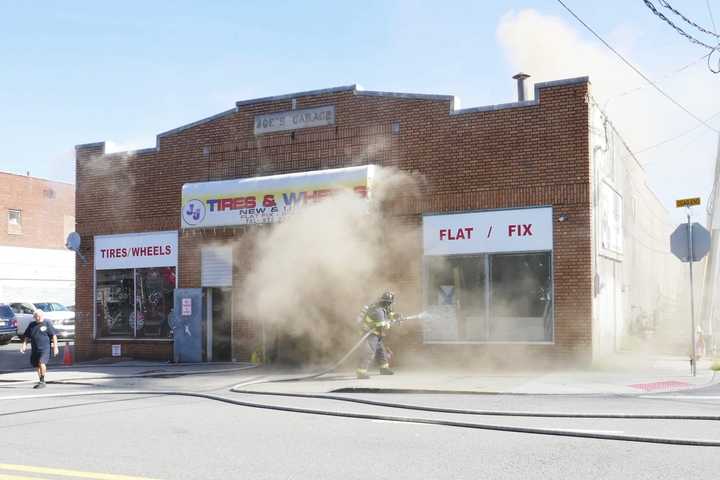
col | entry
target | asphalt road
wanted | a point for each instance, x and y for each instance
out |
(190, 438)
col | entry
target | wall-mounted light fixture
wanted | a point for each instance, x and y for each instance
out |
(563, 217)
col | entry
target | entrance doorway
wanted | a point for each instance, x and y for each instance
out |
(219, 345)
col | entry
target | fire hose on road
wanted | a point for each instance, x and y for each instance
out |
(238, 389)
(391, 418)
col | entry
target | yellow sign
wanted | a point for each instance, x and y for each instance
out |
(687, 202)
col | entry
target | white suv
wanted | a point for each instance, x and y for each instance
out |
(62, 319)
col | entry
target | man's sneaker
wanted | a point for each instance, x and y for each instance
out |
(362, 375)
(386, 371)
(40, 385)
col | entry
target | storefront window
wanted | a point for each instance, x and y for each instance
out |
(153, 300)
(489, 297)
(459, 282)
(114, 302)
(134, 302)
(520, 297)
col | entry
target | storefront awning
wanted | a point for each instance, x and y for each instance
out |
(266, 199)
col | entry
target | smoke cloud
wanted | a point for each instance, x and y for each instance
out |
(312, 273)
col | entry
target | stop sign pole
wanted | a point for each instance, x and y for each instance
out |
(690, 243)
(693, 367)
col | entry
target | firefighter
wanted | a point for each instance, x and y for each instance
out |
(377, 319)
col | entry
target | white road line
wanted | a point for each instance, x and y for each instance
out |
(60, 395)
(684, 397)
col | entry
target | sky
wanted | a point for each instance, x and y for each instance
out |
(122, 72)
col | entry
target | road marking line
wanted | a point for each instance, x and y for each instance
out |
(684, 397)
(67, 473)
(77, 393)
(15, 477)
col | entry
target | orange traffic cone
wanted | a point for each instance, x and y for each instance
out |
(67, 355)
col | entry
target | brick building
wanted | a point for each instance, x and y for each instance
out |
(523, 169)
(34, 263)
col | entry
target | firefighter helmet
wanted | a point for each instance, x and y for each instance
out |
(387, 298)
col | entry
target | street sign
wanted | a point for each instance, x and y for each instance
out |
(687, 202)
(680, 247)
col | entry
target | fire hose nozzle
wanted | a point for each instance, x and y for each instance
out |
(418, 316)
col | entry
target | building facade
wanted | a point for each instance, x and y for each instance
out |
(640, 287)
(508, 227)
(38, 214)
(709, 313)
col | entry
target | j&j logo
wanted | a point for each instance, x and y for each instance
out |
(194, 212)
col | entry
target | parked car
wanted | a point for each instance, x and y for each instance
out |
(23, 315)
(62, 319)
(8, 324)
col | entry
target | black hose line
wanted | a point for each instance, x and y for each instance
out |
(390, 418)
(489, 413)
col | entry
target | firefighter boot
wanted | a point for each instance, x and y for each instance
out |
(385, 370)
(362, 374)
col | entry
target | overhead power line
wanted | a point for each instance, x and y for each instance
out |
(676, 137)
(713, 49)
(682, 32)
(645, 77)
(712, 19)
(687, 20)
(664, 77)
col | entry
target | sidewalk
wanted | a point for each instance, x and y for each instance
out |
(661, 374)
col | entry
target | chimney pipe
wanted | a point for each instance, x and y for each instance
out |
(521, 87)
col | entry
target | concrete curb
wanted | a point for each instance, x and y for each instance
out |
(715, 380)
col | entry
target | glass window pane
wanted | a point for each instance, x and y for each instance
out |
(14, 222)
(521, 297)
(6, 312)
(114, 293)
(456, 297)
(154, 299)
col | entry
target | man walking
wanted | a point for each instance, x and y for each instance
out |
(42, 336)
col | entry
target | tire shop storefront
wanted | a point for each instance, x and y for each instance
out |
(134, 284)
(503, 217)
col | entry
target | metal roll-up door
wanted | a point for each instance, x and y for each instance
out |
(216, 266)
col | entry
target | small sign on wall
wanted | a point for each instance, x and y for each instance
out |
(295, 119)
(116, 351)
(186, 307)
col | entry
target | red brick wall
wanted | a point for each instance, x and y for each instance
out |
(509, 157)
(43, 204)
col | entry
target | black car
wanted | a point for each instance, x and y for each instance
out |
(8, 324)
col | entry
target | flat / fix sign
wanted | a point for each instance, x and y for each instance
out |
(494, 231)
(687, 202)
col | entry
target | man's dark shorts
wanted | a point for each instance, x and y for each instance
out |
(38, 357)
